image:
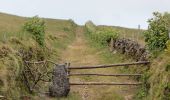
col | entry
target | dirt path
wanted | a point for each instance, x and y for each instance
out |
(80, 53)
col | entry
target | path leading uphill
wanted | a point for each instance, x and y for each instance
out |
(80, 53)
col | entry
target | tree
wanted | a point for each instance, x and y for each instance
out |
(157, 34)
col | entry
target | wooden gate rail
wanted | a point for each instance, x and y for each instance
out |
(79, 74)
(101, 83)
(111, 65)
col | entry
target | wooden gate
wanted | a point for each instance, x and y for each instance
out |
(45, 74)
(69, 69)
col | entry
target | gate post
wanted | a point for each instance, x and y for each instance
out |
(60, 83)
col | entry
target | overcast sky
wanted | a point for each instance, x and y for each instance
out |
(126, 13)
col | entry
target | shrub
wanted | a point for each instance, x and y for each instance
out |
(104, 36)
(36, 27)
(157, 34)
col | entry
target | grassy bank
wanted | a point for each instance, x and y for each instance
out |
(15, 44)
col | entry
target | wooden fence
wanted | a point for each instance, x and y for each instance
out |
(104, 66)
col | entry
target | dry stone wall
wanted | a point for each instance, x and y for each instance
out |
(131, 48)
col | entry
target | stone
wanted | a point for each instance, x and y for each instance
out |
(131, 48)
(60, 83)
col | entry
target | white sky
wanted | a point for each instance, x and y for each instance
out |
(126, 13)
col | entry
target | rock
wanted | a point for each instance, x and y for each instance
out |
(60, 83)
(144, 56)
(140, 52)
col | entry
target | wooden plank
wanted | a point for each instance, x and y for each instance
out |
(101, 83)
(110, 65)
(79, 74)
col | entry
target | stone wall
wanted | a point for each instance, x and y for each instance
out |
(130, 48)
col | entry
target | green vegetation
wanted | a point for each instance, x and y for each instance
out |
(157, 34)
(157, 77)
(133, 34)
(36, 26)
(157, 41)
(102, 36)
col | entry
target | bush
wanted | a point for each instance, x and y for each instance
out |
(157, 34)
(36, 27)
(102, 36)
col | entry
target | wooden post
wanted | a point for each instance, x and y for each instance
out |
(111, 44)
(67, 65)
(68, 68)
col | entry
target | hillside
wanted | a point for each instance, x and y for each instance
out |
(65, 41)
(59, 33)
